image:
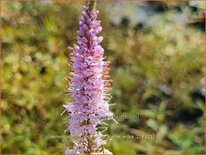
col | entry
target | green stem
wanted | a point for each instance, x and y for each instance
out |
(92, 4)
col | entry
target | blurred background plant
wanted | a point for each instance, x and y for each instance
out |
(156, 49)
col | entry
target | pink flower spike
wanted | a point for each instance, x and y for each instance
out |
(89, 86)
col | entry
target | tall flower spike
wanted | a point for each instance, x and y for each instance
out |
(89, 86)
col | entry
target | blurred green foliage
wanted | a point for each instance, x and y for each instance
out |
(153, 70)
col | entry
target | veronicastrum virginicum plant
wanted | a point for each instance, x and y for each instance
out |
(89, 86)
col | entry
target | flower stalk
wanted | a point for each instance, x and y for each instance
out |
(89, 86)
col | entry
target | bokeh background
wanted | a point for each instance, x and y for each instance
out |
(157, 54)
